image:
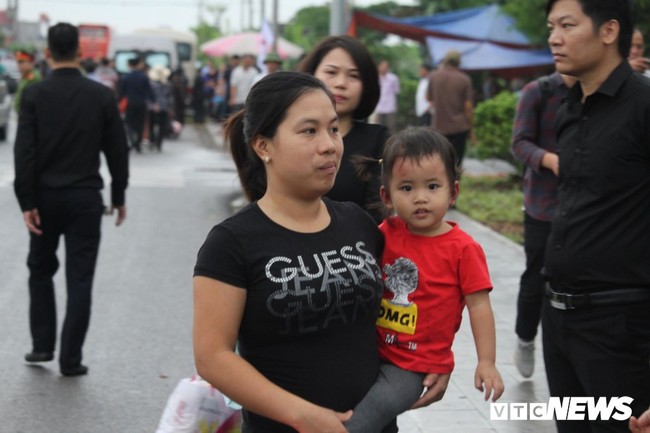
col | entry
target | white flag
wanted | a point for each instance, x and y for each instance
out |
(267, 44)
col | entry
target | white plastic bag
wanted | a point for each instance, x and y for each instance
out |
(195, 406)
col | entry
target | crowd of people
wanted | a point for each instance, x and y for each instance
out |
(330, 302)
(151, 99)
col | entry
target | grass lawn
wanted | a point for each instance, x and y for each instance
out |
(496, 202)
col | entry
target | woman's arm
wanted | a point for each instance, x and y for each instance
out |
(218, 311)
(436, 385)
(487, 377)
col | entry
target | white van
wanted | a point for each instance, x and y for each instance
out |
(165, 47)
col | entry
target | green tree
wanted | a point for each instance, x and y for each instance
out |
(429, 7)
(205, 32)
(530, 18)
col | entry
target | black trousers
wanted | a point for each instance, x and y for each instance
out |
(531, 284)
(598, 352)
(135, 117)
(459, 141)
(425, 119)
(76, 214)
(158, 127)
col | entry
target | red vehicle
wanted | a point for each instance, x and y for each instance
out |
(94, 41)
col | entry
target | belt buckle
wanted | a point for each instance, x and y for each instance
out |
(561, 301)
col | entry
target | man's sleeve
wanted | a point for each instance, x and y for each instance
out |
(115, 148)
(25, 152)
(525, 146)
(429, 91)
(469, 91)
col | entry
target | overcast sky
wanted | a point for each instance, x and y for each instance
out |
(126, 15)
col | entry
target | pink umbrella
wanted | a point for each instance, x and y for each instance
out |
(248, 43)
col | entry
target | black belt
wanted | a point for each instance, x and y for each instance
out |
(572, 301)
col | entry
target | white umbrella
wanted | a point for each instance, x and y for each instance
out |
(249, 43)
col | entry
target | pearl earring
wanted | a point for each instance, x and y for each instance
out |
(267, 159)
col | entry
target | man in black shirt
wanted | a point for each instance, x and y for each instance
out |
(65, 122)
(596, 323)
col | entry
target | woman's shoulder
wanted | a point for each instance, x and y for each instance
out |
(349, 213)
(366, 139)
(365, 129)
(241, 220)
(346, 208)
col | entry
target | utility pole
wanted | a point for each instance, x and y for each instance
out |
(242, 14)
(276, 26)
(262, 12)
(199, 14)
(338, 17)
(12, 10)
(218, 11)
(250, 14)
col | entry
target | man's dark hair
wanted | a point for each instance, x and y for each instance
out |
(601, 11)
(63, 42)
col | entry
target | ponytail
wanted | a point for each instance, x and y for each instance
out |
(365, 167)
(369, 170)
(252, 175)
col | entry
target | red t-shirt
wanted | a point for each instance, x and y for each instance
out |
(425, 282)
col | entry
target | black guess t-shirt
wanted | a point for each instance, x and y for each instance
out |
(311, 305)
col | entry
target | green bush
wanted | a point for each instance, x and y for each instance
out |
(406, 102)
(493, 120)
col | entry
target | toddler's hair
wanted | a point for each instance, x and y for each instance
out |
(415, 144)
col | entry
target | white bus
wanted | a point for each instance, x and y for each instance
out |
(165, 46)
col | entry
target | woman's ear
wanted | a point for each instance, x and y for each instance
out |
(261, 147)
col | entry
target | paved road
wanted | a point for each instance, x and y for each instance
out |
(139, 343)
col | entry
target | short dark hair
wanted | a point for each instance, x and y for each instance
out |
(416, 144)
(63, 42)
(362, 59)
(601, 11)
(89, 65)
(261, 118)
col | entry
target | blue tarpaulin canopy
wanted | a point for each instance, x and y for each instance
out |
(485, 36)
(486, 55)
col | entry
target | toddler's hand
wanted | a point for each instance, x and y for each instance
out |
(487, 379)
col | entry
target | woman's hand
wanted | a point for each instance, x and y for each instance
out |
(321, 420)
(436, 385)
(641, 424)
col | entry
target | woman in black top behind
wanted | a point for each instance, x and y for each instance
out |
(348, 71)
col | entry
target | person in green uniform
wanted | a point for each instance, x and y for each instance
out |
(28, 74)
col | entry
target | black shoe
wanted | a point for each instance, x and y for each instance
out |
(78, 370)
(39, 356)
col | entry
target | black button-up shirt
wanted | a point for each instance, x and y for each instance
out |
(65, 122)
(601, 230)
